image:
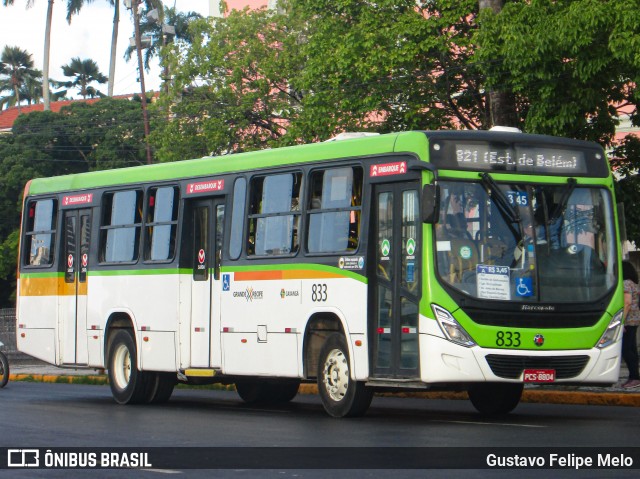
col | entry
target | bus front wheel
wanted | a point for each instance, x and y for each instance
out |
(341, 396)
(126, 382)
(495, 398)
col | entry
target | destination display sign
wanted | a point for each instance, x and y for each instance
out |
(530, 159)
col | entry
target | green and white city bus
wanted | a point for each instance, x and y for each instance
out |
(465, 260)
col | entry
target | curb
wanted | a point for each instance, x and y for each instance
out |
(528, 396)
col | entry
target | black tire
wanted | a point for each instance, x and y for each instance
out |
(4, 370)
(159, 387)
(495, 398)
(259, 391)
(341, 395)
(253, 391)
(285, 390)
(126, 382)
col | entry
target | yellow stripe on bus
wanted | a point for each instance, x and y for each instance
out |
(50, 287)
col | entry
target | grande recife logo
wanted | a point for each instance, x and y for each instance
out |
(205, 186)
(387, 169)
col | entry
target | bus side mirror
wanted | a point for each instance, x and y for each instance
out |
(430, 203)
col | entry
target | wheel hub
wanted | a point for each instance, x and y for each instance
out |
(336, 375)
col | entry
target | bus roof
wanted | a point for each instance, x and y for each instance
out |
(207, 166)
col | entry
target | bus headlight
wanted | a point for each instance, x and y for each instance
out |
(451, 328)
(611, 333)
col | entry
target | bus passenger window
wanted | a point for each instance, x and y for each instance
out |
(161, 224)
(40, 232)
(274, 213)
(334, 210)
(237, 218)
(120, 228)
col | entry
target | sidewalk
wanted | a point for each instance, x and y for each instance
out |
(34, 370)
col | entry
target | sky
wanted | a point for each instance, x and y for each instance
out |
(88, 36)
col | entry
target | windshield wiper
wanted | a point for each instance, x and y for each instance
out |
(564, 199)
(500, 199)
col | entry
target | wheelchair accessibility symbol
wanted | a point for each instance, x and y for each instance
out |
(524, 287)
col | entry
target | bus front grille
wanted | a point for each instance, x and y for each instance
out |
(511, 367)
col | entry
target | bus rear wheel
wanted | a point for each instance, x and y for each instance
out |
(159, 387)
(341, 396)
(495, 398)
(126, 382)
(4, 370)
(255, 391)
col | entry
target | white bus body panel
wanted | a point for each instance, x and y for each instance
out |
(151, 301)
(265, 321)
(39, 329)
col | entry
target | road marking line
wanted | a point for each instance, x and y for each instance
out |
(480, 423)
(163, 471)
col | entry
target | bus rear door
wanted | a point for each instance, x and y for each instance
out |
(207, 221)
(73, 303)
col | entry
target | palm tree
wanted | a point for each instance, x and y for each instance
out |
(85, 72)
(180, 21)
(17, 67)
(47, 48)
(74, 7)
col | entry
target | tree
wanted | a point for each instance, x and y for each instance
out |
(17, 69)
(574, 68)
(154, 29)
(81, 137)
(502, 106)
(396, 65)
(231, 88)
(47, 49)
(74, 7)
(85, 72)
(135, 15)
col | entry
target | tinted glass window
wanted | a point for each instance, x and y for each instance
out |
(161, 223)
(237, 218)
(275, 214)
(335, 204)
(40, 232)
(120, 230)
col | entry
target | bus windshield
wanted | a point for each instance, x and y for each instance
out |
(534, 243)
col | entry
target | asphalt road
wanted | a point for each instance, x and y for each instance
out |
(42, 415)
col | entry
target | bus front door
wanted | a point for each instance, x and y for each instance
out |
(395, 285)
(73, 303)
(208, 220)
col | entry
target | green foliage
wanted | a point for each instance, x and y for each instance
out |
(263, 78)
(626, 164)
(16, 73)
(574, 66)
(83, 72)
(231, 87)
(565, 62)
(389, 66)
(153, 29)
(82, 137)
